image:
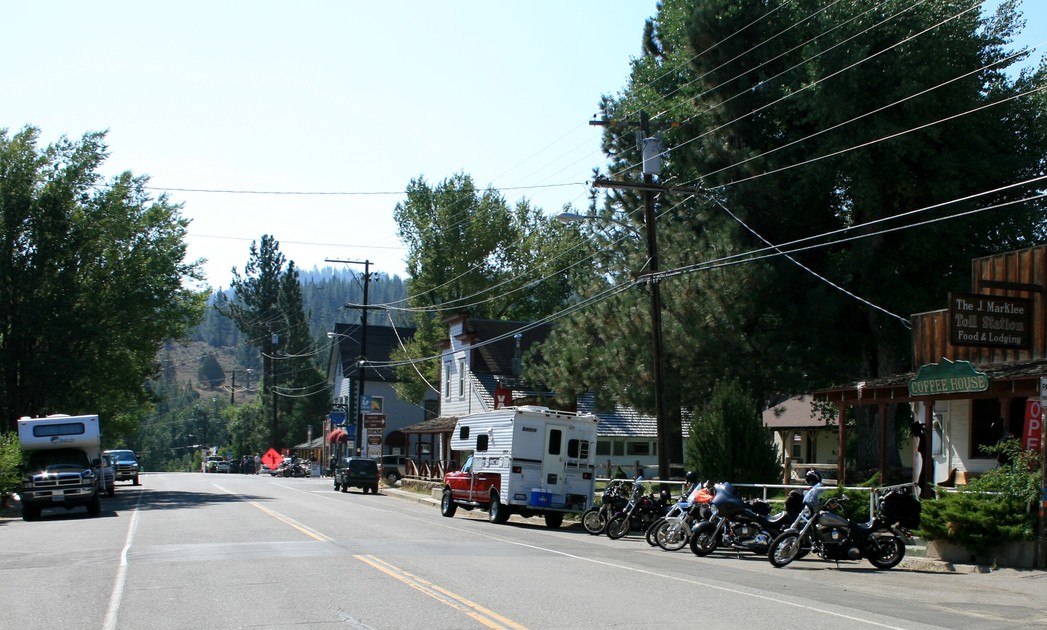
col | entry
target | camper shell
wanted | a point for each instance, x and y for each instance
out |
(62, 468)
(524, 460)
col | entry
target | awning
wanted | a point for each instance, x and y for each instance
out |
(338, 435)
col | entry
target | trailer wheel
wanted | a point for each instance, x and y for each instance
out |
(498, 513)
(447, 505)
(553, 520)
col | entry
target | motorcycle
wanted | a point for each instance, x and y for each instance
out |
(673, 531)
(594, 520)
(741, 524)
(638, 514)
(833, 536)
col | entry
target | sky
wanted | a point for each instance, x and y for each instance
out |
(346, 100)
(322, 97)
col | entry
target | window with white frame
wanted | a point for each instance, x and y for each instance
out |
(447, 379)
(461, 378)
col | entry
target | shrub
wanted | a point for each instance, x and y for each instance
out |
(992, 509)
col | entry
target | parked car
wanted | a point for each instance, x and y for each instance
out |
(394, 468)
(126, 464)
(222, 467)
(211, 463)
(357, 472)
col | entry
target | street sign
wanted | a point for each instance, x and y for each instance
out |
(374, 421)
(374, 439)
(272, 459)
(337, 417)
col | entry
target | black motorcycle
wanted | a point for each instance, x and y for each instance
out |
(741, 524)
(833, 536)
(638, 514)
(615, 498)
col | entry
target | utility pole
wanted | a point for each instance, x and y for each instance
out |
(651, 149)
(361, 375)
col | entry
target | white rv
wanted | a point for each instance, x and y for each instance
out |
(525, 460)
(62, 464)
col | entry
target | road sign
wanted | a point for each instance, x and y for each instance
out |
(374, 421)
(374, 439)
(272, 459)
(337, 417)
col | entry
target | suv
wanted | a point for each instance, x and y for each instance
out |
(394, 468)
(126, 464)
(357, 472)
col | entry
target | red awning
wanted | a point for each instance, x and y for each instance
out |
(338, 435)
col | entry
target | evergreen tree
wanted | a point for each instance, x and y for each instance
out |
(210, 373)
(728, 441)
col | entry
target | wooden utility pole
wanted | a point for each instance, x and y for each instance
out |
(361, 375)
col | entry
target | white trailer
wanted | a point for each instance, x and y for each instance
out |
(62, 463)
(525, 460)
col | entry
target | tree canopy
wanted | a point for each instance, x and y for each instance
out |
(93, 279)
(846, 160)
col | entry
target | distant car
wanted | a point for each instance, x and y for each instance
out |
(357, 472)
(126, 464)
(211, 463)
(394, 468)
(222, 467)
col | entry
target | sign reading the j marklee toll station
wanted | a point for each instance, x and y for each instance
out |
(989, 320)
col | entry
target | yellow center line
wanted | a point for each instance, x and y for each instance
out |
(485, 616)
(308, 531)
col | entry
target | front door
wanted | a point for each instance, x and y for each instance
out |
(553, 465)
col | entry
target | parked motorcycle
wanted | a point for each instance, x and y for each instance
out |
(638, 514)
(822, 527)
(741, 524)
(615, 497)
(673, 531)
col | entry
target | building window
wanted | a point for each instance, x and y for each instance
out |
(447, 380)
(619, 448)
(603, 447)
(988, 426)
(640, 449)
(431, 408)
(461, 378)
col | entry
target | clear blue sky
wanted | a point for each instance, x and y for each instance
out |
(328, 96)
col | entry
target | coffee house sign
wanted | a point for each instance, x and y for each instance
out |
(948, 377)
(989, 320)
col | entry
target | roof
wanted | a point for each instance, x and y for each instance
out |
(443, 424)
(620, 421)
(795, 413)
(497, 358)
(381, 342)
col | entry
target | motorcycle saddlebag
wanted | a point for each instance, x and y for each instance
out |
(901, 508)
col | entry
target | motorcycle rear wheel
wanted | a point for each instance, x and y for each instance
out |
(594, 520)
(618, 526)
(885, 552)
(784, 549)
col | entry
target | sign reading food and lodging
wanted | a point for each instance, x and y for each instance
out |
(989, 320)
(947, 377)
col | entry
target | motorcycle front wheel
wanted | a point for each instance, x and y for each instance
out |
(784, 549)
(673, 535)
(618, 526)
(652, 530)
(885, 551)
(594, 520)
(703, 541)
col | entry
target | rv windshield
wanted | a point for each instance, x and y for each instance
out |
(58, 458)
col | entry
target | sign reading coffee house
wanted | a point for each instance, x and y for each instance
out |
(989, 320)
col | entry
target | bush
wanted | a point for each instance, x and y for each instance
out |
(10, 458)
(992, 509)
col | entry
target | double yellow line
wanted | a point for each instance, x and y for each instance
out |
(471, 609)
(485, 616)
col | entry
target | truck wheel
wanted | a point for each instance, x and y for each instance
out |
(30, 512)
(497, 513)
(336, 486)
(345, 487)
(111, 490)
(134, 482)
(447, 505)
(94, 506)
(553, 520)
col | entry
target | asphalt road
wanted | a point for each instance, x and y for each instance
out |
(237, 551)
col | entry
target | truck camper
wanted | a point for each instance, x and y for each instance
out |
(62, 464)
(524, 460)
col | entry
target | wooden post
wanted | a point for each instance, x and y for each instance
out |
(882, 410)
(841, 464)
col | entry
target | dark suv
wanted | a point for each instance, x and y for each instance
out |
(357, 472)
